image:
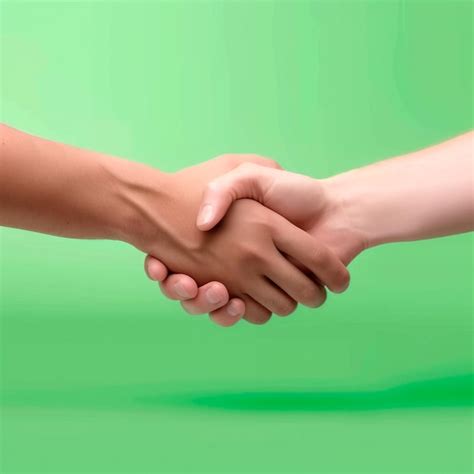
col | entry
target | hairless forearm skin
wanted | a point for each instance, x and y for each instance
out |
(58, 189)
(429, 193)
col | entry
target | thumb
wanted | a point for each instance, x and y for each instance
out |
(155, 269)
(246, 181)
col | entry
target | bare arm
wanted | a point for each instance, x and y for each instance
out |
(63, 190)
(421, 195)
(428, 193)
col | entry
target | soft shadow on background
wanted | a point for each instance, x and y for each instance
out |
(447, 392)
(436, 393)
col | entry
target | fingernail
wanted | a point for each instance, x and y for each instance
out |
(233, 309)
(181, 290)
(213, 295)
(205, 215)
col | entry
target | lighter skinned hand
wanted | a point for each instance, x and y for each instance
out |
(311, 204)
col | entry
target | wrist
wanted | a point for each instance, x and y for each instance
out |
(350, 216)
(139, 192)
(367, 198)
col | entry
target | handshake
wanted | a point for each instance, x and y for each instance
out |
(237, 236)
(243, 228)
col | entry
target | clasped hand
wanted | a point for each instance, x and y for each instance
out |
(265, 259)
(257, 239)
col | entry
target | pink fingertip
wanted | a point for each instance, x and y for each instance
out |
(236, 308)
(156, 271)
(205, 217)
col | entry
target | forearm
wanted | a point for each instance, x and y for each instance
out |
(62, 190)
(421, 195)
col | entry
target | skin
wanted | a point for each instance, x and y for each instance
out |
(421, 195)
(266, 263)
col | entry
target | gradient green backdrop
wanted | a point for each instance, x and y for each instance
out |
(101, 374)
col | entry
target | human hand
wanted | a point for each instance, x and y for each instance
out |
(315, 206)
(420, 195)
(252, 238)
(301, 208)
(213, 297)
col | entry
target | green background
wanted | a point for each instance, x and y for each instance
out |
(101, 374)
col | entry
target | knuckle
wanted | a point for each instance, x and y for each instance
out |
(309, 294)
(231, 160)
(264, 222)
(264, 161)
(319, 255)
(250, 254)
(273, 163)
(258, 318)
(223, 320)
(212, 187)
(247, 167)
(285, 308)
(254, 158)
(321, 298)
(191, 308)
(343, 279)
